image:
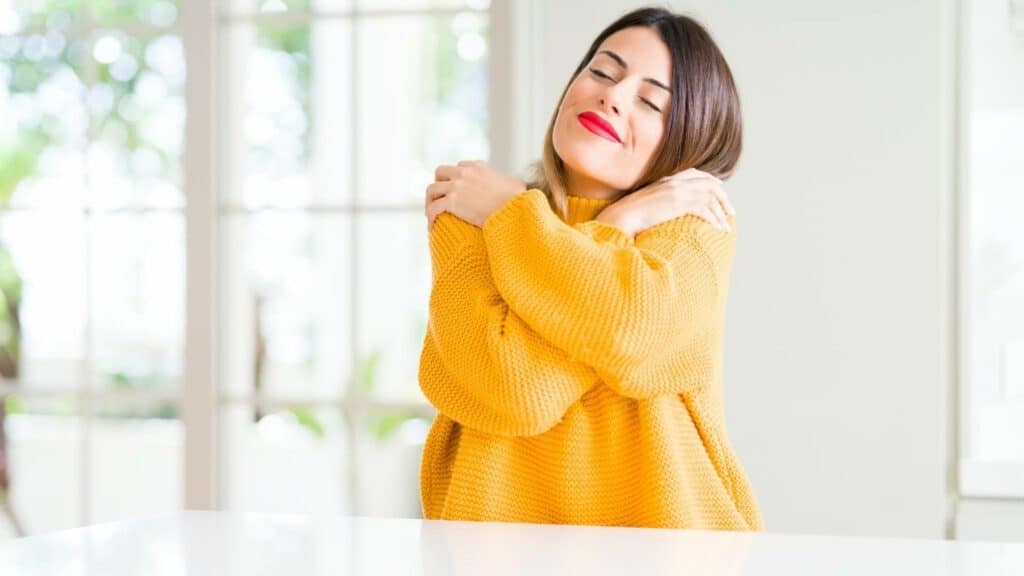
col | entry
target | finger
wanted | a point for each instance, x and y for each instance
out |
(716, 208)
(723, 199)
(469, 162)
(438, 190)
(704, 180)
(705, 213)
(695, 174)
(718, 221)
(445, 172)
(434, 209)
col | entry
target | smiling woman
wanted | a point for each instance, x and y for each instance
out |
(574, 341)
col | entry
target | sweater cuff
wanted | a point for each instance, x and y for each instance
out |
(602, 232)
(450, 237)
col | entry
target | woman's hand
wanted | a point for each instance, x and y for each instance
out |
(472, 190)
(688, 192)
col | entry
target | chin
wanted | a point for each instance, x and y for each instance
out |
(587, 166)
(583, 159)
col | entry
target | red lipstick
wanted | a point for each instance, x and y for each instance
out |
(593, 122)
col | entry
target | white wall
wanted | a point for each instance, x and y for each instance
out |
(838, 369)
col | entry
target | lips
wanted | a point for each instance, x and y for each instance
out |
(599, 126)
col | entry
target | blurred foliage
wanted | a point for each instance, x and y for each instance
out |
(368, 367)
(155, 12)
(10, 322)
(295, 43)
(19, 159)
(307, 419)
(382, 425)
(59, 405)
(14, 405)
(44, 53)
(53, 14)
(379, 424)
(122, 380)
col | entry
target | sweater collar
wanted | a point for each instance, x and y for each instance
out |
(582, 209)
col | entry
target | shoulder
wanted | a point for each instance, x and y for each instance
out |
(694, 232)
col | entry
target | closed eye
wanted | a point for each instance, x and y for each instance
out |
(651, 104)
(604, 76)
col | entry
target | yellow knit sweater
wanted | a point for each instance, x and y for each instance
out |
(577, 372)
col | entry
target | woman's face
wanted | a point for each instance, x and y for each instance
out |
(626, 85)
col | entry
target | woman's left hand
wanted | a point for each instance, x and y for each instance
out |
(471, 190)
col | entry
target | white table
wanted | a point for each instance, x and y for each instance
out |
(225, 544)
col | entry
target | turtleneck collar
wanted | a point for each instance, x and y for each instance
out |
(582, 209)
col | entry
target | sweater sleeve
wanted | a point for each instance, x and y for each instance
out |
(481, 365)
(645, 313)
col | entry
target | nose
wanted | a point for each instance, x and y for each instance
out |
(608, 104)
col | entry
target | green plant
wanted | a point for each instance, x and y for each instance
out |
(383, 423)
(123, 380)
(379, 424)
(19, 159)
(307, 419)
(14, 405)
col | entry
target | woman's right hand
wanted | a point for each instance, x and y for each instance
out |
(691, 191)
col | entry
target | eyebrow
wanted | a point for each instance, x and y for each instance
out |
(618, 59)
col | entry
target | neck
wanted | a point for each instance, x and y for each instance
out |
(585, 187)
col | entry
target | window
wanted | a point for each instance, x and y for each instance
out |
(992, 249)
(326, 118)
(92, 258)
(333, 117)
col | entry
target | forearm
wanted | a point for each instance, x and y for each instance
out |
(483, 365)
(592, 291)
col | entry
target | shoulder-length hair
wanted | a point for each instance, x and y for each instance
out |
(704, 128)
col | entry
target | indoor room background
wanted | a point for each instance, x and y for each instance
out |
(214, 272)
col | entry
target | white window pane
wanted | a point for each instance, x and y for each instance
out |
(277, 6)
(44, 452)
(423, 4)
(43, 121)
(138, 115)
(286, 461)
(287, 117)
(393, 283)
(152, 12)
(390, 447)
(285, 294)
(137, 461)
(995, 246)
(422, 100)
(43, 278)
(996, 349)
(138, 291)
(19, 15)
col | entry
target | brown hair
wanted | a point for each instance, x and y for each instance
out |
(704, 121)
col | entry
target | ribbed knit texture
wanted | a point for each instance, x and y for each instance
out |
(577, 372)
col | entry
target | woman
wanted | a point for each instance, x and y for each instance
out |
(574, 343)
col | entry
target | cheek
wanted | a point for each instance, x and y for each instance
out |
(579, 88)
(565, 113)
(648, 137)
